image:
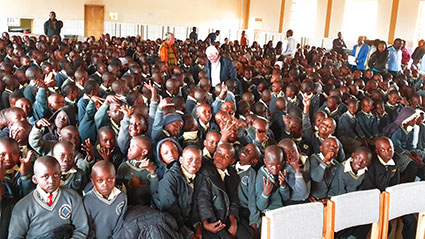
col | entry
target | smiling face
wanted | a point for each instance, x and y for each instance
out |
(361, 159)
(327, 127)
(249, 155)
(9, 154)
(224, 156)
(191, 160)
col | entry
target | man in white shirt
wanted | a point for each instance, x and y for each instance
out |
(289, 46)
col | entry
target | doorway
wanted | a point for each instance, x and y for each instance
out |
(94, 20)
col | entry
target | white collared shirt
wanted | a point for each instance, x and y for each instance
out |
(389, 163)
(241, 168)
(223, 173)
(215, 73)
(348, 168)
(44, 195)
(114, 193)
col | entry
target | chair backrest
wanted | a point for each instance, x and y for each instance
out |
(406, 198)
(297, 221)
(356, 208)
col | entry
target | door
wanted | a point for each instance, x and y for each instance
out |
(94, 20)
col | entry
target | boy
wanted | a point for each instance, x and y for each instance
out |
(72, 177)
(382, 117)
(346, 130)
(323, 169)
(218, 197)
(178, 192)
(138, 172)
(17, 179)
(210, 145)
(350, 173)
(271, 186)
(49, 211)
(246, 191)
(105, 204)
(204, 115)
(366, 126)
(393, 107)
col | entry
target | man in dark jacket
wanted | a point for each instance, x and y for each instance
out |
(218, 69)
(52, 26)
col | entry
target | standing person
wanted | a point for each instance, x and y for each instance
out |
(193, 35)
(405, 54)
(360, 53)
(213, 36)
(289, 45)
(419, 52)
(244, 41)
(218, 69)
(167, 52)
(394, 58)
(52, 26)
(378, 60)
(338, 44)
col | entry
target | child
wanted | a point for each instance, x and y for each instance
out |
(49, 211)
(105, 204)
(204, 116)
(91, 88)
(291, 97)
(246, 191)
(393, 107)
(218, 197)
(138, 172)
(333, 109)
(178, 192)
(323, 169)
(107, 148)
(167, 153)
(366, 126)
(17, 179)
(347, 128)
(259, 134)
(295, 164)
(382, 117)
(210, 145)
(191, 134)
(72, 177)
(350, 173)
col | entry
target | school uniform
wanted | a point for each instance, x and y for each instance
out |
(295, 102)
(204, 128)
(140, 195)
(105, 215)
(280, 193)
(16, 185)
(61, 216)
(6, 207)
(246, 193)
(104, 91)
(333, 114)
(382, 121)
(366, 125)
(81, 106)
(346, 181)
(178, 191)
(87, 126)
(291, 177)
(218, 199)
(74, 178)
(392, 111)
(322, 175)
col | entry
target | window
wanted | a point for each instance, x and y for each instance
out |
(360, 18)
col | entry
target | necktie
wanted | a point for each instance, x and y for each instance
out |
(50, 199)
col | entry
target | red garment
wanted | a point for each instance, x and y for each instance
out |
(243, 41)
(50, 199)
(405, 56)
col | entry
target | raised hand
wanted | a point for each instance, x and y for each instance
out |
(127, 110)
(227, 131)
(147, 164)
(14, 134)
(150, 87)
(164, 102)
(42, 123)
(49, 80)
(282, 177)
(106, 153)
(88, 148)
(223, 92)
(268, 186)
(26, 163)
(112, 99)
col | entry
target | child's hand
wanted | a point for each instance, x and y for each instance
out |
(306, 102)
(233, 226)
(14, 134)
(127, 110)
(112, 99)
(268, 186)
(88, 148)
(136, 182)
(223, 92)
(213, 227)
(97, 100)
(165, 102)
(293, 162)
(328, 157)
(404, 101)
(39, 83)
(147, 164)
(106, 153)
(26, 163)
(42, 123)
(282, 177)
(227, 131)
(49, 80)
(150, 87)
(239, 122)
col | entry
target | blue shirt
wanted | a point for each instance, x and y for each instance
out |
(422, 66)
(394, 59)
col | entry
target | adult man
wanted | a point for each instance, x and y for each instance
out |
(360, 53)
(289, 45)
(213, 36)
(338, 44)
(193, 35)
(394, 58)
(52, 26)
(219, 69)
(166, 51)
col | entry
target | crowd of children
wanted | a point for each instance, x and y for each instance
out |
(96, 134)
